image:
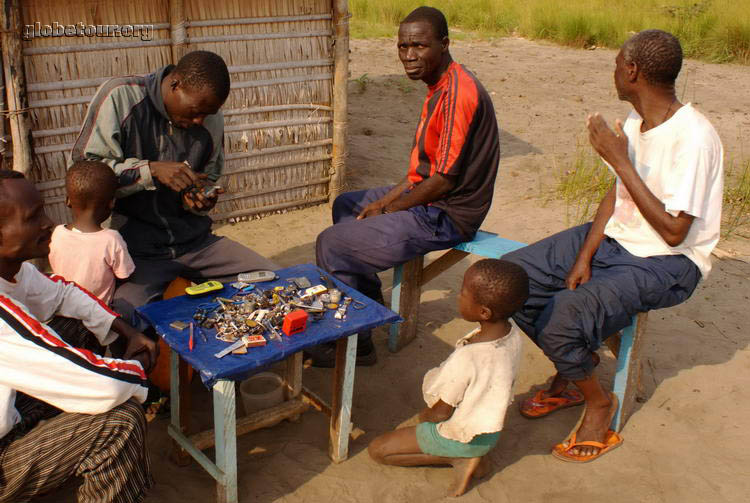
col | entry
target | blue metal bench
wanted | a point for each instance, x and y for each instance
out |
(409, 278)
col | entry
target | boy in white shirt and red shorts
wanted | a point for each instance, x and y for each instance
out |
(468, 394)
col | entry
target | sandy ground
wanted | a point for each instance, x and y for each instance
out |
(685, 442)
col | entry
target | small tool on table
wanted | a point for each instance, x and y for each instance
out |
(190, 340)
(201, 333)
(240, 343)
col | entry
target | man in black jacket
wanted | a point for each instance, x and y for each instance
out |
(162, 135)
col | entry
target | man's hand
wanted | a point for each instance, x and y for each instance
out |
(198, 201)
(373, 209)
(579, 274)
(612, 146)
(143, 349)
(139, 347)
(176, 175)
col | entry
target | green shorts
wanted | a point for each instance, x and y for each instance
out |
(431, 442)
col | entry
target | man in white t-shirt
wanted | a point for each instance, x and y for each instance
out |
(65, 411)
(647, 248)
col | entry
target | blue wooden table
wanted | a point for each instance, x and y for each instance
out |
(220, 374)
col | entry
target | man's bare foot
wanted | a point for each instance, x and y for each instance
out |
(464, 470)
(560, 384)
(594, 426)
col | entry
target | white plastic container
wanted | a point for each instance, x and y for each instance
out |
(262, 391)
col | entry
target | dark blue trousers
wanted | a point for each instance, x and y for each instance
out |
(569, 324)
(356, 250)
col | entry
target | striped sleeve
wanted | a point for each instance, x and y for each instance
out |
(458, 112)
(36, 361)
(47, 296)
(77, 302)
(101, 135)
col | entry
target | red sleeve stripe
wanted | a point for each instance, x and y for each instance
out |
(446, 103)
(50, 339)
(59, 279)
(446, 147)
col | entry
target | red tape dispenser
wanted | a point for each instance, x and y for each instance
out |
(294, 322)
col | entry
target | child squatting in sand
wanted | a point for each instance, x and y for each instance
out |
(82, 251)
(468, 394)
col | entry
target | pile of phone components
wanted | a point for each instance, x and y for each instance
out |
(253, 315)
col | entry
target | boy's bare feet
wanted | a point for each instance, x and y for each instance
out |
(464, 470)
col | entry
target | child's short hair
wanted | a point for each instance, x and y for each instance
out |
(92, 182)
(500, 285)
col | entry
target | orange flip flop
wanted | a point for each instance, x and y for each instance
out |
(563, 451)
(539, 406)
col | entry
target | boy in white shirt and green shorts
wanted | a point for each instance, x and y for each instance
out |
(468, 394)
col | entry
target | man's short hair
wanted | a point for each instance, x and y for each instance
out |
(658, 55)
(500, 285)
(204, 69)
(7, 174)
(90, 182)
(432, 16)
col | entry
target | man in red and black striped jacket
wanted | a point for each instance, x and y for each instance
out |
(448, 189)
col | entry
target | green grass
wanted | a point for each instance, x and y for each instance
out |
(583, 186)
(711, 30)
(736, 209)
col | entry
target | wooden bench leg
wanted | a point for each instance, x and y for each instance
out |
(628, 374)
(408, 280)
(407, 289)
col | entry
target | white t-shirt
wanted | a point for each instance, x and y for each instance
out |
(681, 162)
(477, 379)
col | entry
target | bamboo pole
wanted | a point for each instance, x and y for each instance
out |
(178, 28)
(340, 78)
(274, 124)
(2, 118)
(234, 85)
(277, 150)
(258, 20)
(260, 36)
(245, 212)
(84, 83)
(98, 47)
(15, 81)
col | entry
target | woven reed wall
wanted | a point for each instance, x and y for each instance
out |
(278, 117)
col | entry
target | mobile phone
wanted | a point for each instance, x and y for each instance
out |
(302, 282)
(208, 286)
(210, 191)
(256, 276)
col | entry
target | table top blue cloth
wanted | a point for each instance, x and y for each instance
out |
(160, 314)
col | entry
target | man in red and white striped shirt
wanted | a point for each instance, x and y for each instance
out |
(95, 427)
